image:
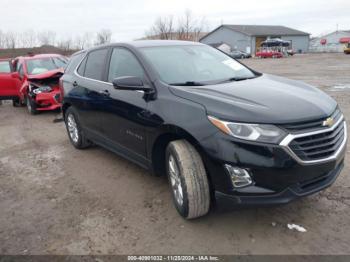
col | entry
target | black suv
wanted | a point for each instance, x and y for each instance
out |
(223, 133)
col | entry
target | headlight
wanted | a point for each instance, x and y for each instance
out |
(43, 89)
(253, 132)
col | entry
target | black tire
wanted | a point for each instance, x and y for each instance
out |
(16, 102)
(192, 178)
(80, 142)
(31, 106)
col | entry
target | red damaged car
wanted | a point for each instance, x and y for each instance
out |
(37, 81)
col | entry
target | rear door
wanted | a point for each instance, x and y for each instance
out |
(8, 87)
(87, 96)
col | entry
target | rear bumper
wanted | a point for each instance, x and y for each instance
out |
(298, 190)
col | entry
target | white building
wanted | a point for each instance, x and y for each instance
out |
(333, 42)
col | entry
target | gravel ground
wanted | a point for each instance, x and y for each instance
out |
(58, 200)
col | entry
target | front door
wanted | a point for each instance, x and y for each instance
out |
(8, 83)
(124, 113)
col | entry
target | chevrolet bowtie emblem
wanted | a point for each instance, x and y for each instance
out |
(328, 122)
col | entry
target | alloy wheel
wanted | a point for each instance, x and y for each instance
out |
(72, 128)
(175, 180)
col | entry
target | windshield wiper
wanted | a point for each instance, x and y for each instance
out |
(188, 83)
(232, 79)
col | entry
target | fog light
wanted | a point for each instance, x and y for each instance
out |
(240, 177)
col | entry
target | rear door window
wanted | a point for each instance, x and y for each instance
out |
(95, 64)
(5, 67)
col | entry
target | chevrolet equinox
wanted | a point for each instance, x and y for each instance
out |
(224, 134)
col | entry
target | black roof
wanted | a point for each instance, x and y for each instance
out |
(150, 43)
(147, 43)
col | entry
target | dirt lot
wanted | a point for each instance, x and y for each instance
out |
(58, 200)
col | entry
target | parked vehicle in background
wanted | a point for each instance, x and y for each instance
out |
(224, 134)
(268, 54)
(290, 52)
(274, 48)
(37, 80)
(347, 49)
(8, 85)
(239, 55)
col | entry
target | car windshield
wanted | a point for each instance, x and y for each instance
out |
(183, 65)
(42, 65)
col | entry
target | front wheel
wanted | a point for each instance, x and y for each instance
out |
(31, 105)
(188, 179)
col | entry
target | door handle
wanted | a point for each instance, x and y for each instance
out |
(104, 92)
(75, 84)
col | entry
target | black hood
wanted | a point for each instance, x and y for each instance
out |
(265, 99)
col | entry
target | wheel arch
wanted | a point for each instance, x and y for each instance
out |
(170, 133)
(65, 106)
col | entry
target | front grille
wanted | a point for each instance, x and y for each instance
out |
(319, 146)
(311, 125)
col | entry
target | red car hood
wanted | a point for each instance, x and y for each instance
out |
(49, 74)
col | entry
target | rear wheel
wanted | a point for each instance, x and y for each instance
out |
(75, 132)
(188, 179)
(31, 105)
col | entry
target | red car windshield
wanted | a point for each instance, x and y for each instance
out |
(42, 65)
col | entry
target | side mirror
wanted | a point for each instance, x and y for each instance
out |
(130, 83)
(15, 75)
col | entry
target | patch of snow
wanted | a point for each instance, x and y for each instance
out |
(340, 87)
(296, 227)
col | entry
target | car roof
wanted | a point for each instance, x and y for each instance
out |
(38, 56)
(150, 43)
(153, 43)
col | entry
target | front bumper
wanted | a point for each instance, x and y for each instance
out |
(48, 101)
(298, 190)
(278, 177)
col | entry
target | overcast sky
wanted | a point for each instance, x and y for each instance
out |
(129, 19)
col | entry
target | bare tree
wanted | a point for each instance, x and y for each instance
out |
(103, 37)
(187, 28)
(2, 39)
(10, 40)
(163, 28)
(28, 39)
(201, 26)
(66, 44)
(83, 41)
(47, 38)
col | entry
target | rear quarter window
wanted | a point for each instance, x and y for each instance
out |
(5, 67)
(73, 63)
